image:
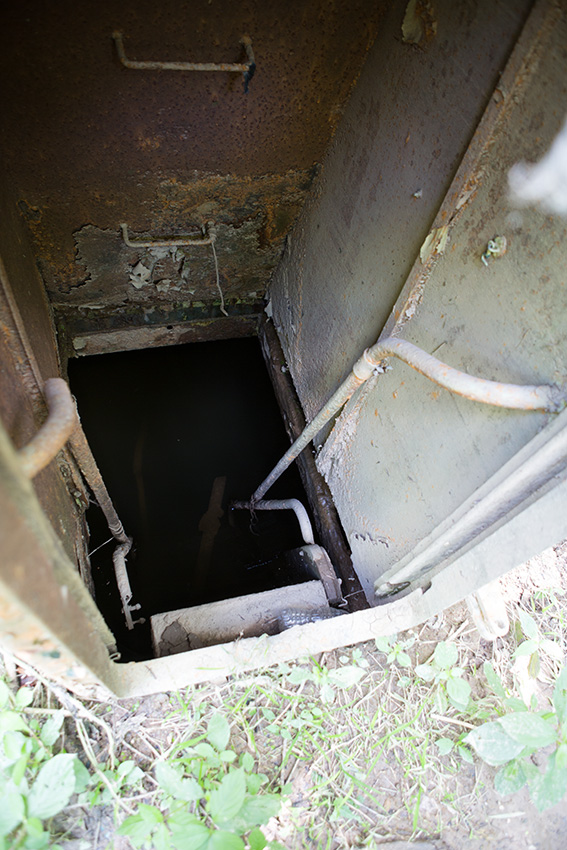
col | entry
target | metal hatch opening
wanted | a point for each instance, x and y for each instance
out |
(178, 433)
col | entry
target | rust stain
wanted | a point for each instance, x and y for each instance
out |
(89, 142)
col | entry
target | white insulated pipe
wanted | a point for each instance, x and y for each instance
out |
(546, 398)
(282, 505)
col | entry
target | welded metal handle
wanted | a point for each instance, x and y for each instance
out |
(246, 68)
(210, 229)
(54, 432)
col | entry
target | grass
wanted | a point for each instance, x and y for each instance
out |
(348, 749)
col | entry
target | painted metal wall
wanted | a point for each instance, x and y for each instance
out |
(407, 454)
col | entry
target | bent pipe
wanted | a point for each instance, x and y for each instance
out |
(546, 398)
(55, 431)
(282, 505)
(63, 425)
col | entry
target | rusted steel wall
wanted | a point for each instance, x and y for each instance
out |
(27, 357)
(90, 143)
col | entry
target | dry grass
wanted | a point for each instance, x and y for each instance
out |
(360, 765)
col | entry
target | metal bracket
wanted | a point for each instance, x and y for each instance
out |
(209, 239)
(246, 68)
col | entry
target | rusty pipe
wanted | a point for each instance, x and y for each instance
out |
(55, 431)
(546, 398)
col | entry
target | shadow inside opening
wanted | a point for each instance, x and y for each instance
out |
(178, 433)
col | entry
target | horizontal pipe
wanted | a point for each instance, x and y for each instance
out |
(54, 432)
(282, 505)
(545, 398)
(237, 67)
(169, 243)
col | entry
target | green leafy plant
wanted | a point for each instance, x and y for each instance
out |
(510, 742)
(534, 644)
(396, 651)
(210, 799)
(327, 680)
(35, 785)
(442, 670)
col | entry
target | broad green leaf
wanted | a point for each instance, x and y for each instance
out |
(529, 625)
(425, 672)
(14, 745)
(446, 654)
(459, 691)
(225, 841)
(529, 729)
(254, 782)
(191, 836)
(151, 815)
(465, 753)
(226, 800)
(534, 665)
(5, 694)
(258, 810)
(510, 778)
(82, 776)
(218, 732)
(11, 812)
(493, 680)
(52, 728)
(444, 745)
(174, 784)
(257, 840)
(161, 838)
(549, 788)
(228, 756)
(206, 751)
(24, 697)
(527, 647)
(440, 701)
(135, 828)
(37, 838)
(383, 644)
(125, 767)
(327, 693)
(346, 677)
(299, 675)
(11, 721)
(53, 787)
(515, 704)
(247, 762)
(493, 744)
(19, 769)
(561, 756)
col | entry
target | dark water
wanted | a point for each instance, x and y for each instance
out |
(163, 424)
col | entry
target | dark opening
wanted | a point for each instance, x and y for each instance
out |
(164, 425)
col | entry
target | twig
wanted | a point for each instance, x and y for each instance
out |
(83, 737)
(73, 706)
(452, 720)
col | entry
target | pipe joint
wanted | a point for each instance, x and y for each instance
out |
(364, 368)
